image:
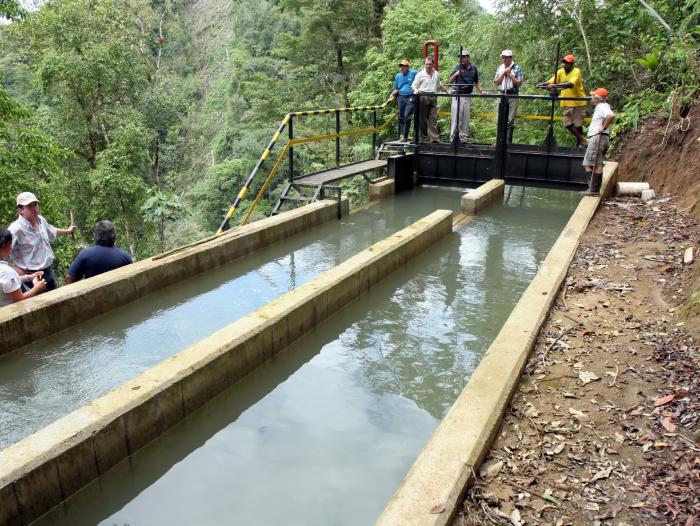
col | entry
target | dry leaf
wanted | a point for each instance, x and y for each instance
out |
(579, 415)
(587, 377)
(602, 474)
(491, 470)
(665, 400)
(668, 425)
(437, 509)
(515, 517)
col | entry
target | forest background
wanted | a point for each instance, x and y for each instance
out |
(152, 113)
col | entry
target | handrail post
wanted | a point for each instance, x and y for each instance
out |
(337, 138)
(290, 131)
(374, 133)
(416, 118)
(501, 138)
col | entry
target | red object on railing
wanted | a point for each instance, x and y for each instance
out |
(435, 45)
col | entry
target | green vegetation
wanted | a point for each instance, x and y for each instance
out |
(153, 112)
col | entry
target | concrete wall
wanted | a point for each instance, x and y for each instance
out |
(381, 190)
(434, 487)
(42, 470)
(30, 320)
(483, 196)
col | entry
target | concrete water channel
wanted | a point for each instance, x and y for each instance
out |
(324, 432)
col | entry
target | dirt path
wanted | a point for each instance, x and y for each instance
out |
(603, 428)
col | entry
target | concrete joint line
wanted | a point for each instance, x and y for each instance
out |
(41, 316)
(434, 487)
(40, 471)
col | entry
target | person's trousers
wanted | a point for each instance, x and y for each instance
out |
(512, 110)
(405, 114)
(49, 277)
(461, 112)
(428, 119)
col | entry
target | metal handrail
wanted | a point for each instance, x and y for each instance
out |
(287, 122)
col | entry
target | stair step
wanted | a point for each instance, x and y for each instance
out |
(296, 198)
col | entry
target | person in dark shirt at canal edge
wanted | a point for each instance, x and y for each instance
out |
(103, 256)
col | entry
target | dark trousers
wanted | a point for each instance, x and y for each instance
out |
(405, 114)
(49, 277)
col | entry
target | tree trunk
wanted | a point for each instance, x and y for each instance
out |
(127, 230)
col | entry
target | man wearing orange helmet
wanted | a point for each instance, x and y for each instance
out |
(598, 139)
(568, 79)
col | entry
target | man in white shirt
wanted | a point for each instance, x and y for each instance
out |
(427, 81)
(509, 78)
(598, 139)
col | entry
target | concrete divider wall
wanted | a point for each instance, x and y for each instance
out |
(47, 467)
(481, 197)
(30, 320)
(434, 487)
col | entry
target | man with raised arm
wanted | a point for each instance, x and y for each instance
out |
(509, 78)
(402, 87)
(427, 81)
(465, 77)
(569, 80)
(32, 236)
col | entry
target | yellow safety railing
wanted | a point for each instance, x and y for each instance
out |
(317, 138)
(518, 117)
(290, 143)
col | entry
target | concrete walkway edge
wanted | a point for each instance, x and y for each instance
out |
(434, 488)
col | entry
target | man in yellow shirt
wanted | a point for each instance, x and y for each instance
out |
(568, 79)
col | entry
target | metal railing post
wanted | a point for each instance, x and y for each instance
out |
(374, 133)
(416, 119)
(501, 138)
(290, 130)
(337, 139)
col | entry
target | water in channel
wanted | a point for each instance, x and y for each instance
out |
(52, 377)
(323, 433)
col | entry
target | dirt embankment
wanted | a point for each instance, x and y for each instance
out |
(604, 426)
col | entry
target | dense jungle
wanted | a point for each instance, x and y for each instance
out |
(152, 113)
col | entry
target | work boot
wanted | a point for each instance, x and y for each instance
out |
(402, 139)
(596, 182)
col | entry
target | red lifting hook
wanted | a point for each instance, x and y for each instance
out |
(435, 45)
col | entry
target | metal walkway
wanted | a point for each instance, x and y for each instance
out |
(317, 181)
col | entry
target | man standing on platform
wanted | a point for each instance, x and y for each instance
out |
(402, 87)
(509, 78)
(427, 81)
(598, 139)
(568, 79)
(466, 76)
(32, 236)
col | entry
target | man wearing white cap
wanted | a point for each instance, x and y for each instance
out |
(509, 78)
(32, 236)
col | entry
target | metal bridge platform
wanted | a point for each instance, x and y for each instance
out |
(297, 190)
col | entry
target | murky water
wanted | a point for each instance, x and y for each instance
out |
(323, 433)
(50, 378)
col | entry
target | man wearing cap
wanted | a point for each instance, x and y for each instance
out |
(465, 76)
(509, 78)
(598, 139)
(568, 79)
(427, 81)
(32, 236)
(402, 87)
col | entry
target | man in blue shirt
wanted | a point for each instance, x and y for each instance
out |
(99, 258)
(402, 88)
